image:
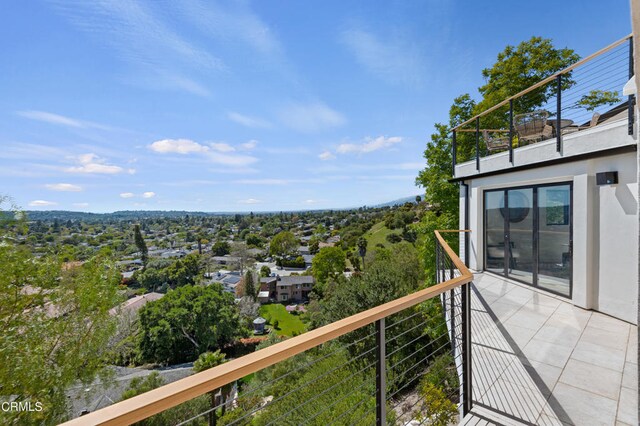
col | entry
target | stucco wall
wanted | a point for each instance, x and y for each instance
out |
(605, 228)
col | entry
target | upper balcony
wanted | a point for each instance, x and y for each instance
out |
(576, 113)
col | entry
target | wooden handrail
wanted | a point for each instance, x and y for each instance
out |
(157, 400)
(545, 81)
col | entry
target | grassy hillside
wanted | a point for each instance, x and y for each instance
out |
(377, 234)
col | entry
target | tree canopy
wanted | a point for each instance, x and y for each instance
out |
(187, 322)
(283, 244)
(329, 261)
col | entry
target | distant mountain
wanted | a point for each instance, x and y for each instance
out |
(399, 201)
(64, 215)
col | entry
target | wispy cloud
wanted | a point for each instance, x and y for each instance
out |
(326, 155)
(395, 59)
(231, 21)
(42, 203)
(310, 118)
(249, 201)
(276, 181)
(222, 147)
(93, 164)
(368, 145)
(149, 194)
(142, 38)
(223, 155)
(248, 121)
(63, 187)
(127, 195)
(249, 146)
(81, 204)
(60, 120)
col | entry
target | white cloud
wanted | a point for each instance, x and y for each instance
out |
(369, 145)
(91, 163)
(148, 194)
(248, 121)
(311, 201)
(187, 146)
(222, 147)
(232, 160)
(127, 195)
(66, 187)
(179, 146)
(81, 204)
(311, 118)
(249, 201)
(395, 59)
(42, 203)
(51, 118)
(326, 155)
(250, 145)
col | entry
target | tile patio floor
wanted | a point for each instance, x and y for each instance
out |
(539, 360)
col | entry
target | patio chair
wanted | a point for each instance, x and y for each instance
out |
(532, 127)
(495, 144)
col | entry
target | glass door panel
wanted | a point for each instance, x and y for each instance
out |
(554, 238)
(494, 232)
(520, 234)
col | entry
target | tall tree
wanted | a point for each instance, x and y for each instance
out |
(140, 244)
(204, 362)
(249, 285)
(330, 261)
(55, 327)
(362, 249)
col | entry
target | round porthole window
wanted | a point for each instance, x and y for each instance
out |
(518, 207)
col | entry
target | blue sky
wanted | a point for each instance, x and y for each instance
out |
(248, 106)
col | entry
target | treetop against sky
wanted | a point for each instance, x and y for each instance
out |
(212, 106)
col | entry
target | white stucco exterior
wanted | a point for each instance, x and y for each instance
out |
(605, 217)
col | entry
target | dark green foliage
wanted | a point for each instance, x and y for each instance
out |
(265, 271)
(283, 244)
(249, 285)
(221, 248)
(187, 322)
(393, 238)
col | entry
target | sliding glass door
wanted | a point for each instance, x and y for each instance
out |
(528, 235)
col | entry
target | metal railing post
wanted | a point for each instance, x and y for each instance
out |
(511, 131)
(631, 98)
(437, 262)
(558, 113)
(381, 375)
(452, 320)
(466, 349)
(477, 143)
(454, 154)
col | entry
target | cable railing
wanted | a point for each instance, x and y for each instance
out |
(580, 97)
(408, 360)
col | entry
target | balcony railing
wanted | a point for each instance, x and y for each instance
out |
(408, 359)
(579, 97)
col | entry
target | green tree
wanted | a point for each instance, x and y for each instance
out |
(249, 285)
(265, 271)
(172, 416)
(140, 244)
(596, 98)
(220, 248)
(55, 325)
(204, 362)
(187, 322)
(283, 244)
(329, 261)
(362, 248)
(185, 271)
(522, 66)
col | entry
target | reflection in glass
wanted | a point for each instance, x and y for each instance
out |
(554, 236)
(494, 227)
(521, 260)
